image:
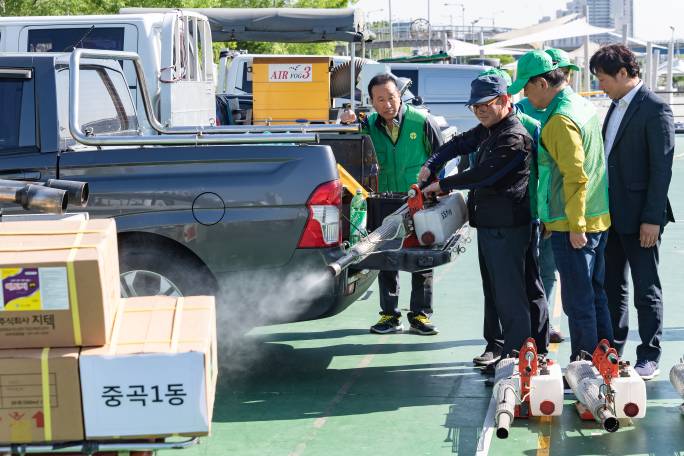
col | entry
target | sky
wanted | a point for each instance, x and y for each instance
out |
(650, 17)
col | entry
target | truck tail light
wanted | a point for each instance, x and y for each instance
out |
(323, 225)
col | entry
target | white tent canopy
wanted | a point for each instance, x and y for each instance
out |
(578, 27)
(677, 68)
(535, 28)
(458, 48)
(636, 41)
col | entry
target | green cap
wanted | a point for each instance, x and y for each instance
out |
(561, 58)
(498, 72)
(530, 65)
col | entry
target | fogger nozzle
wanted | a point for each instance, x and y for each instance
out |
(334, 269)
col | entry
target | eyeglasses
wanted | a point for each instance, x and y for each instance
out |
(475, 107)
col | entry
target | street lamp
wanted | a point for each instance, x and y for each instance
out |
(391, 29)
(462, 16)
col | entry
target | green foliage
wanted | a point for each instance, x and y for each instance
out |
(74, 7)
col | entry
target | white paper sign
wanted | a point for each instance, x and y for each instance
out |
(290, 72)
(145, 394)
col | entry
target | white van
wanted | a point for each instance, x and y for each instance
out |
(444, 89)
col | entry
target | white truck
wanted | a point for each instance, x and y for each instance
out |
(175, 48)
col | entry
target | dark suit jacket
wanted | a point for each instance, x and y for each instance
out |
(640, 164)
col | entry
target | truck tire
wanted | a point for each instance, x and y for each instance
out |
(151, 269)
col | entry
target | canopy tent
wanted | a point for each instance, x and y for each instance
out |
(633, 40)
(281, 25)
(578, 27)
(458, 48)
(677, 68)
(579, 52)
(534, 28)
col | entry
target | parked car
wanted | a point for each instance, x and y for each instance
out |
(444, 89)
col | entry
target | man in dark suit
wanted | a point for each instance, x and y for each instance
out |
(639, 143)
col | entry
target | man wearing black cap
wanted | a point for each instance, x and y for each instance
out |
(498, 203)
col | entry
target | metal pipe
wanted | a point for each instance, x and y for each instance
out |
(505, 395)
(584, 382)
(77, 192)
(291, 128)
(352, 75)
(649, 65)
(33, 197)
(167, 138)
(88, 447)
(677, 377)
(390, 229)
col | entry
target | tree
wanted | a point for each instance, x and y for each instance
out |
(74, 7)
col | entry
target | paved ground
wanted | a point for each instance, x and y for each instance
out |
(329, 387)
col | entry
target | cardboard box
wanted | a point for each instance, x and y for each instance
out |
(27, 377)
(60, 283)
(157, 377)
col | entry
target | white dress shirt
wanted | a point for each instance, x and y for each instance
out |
(616, 117)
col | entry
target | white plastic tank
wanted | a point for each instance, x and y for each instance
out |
(546, 392)
(436, 224)
(630, 395)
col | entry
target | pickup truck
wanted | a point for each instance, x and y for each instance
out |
(253, 218)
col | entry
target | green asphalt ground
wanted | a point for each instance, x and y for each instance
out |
(328, 387)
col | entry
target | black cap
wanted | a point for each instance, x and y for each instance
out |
(486, 88)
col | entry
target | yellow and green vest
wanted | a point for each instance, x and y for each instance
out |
(550, 195)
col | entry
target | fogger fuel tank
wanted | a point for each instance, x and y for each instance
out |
(434, 225)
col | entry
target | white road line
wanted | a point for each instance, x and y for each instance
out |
(487, 430)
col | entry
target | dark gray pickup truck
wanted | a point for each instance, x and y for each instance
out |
(255, 224)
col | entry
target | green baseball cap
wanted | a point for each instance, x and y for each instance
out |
(530, 65)
(498, 72)
(562, 58)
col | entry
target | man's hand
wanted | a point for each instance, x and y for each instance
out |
(648, 235)
(578, 240)
(424, 174)
(348, 116)
(432, 188)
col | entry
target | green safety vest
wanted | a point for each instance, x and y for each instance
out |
(527, 107)
(551, 197)
(400, 163)
(532, 126)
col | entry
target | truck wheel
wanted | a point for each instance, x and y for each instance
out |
(149, 271)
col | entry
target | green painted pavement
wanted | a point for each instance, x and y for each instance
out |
(328, 387)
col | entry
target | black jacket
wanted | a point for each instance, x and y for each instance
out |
(640, 164)
(498, 182)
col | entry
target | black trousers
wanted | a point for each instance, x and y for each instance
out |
(502, 253)
(536, 297)
(624, 253)
(421, 292)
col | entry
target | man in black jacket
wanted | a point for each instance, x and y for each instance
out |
(499, 205)
(639, 143)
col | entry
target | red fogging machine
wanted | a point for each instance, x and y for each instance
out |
(606, 388)
(421, 223)
(526, 386)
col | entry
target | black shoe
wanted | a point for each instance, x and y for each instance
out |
(489, 369)
(555, 336)
(487, 358)
(421, 324)
(387, 324)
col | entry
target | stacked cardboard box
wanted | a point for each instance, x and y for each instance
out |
(147, 366)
